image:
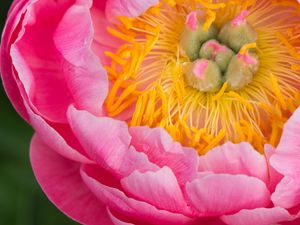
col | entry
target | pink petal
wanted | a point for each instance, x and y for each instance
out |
(274, 176)
(294, 222)
(219, 194)
(86, 79)
(158, 188)
(260, 216)
(129, 8)
(52, 79)
(52, 138)
(7, 73)
(287, 192)
(61, 181)
(116, 220)
(107, 141)
(163, 151)
(286, 159)
(116, 200)
(235, 159)
(103, 41)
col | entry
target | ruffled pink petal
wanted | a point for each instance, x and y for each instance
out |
(158, 188)
(286, 159)
(116, 200)
(287, 192)
(10, 34)
(260, 216)
(163, 151)
(235, 159)
(53, 78)
(86, 79)
(219, 194)
(54, 139)
(107, 141)
(61, 181)
(129, 8)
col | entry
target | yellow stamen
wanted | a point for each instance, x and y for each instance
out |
(211, 17)
(277, 91)
(221, 92)
(246, 47)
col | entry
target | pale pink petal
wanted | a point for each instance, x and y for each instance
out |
(129, 8)
(86, 79)
(274, 176)
(235, 159)
(158, 188)
(52, 79)
(60, 180)
(107, 141)
(116, 200)
(219, 194)
(286, 159)
(163, 151)
(259, 216)
(287, 192)
(103, 41)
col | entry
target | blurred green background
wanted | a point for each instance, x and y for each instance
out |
(21, 199)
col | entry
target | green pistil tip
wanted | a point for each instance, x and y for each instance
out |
(216, 57)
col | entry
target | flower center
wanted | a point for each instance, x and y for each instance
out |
(208, 72)
(212, 64)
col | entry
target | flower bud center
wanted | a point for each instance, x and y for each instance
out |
(221, 55)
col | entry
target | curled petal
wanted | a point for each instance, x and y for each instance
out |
(107, 141)
(71, 196)
(259, 216)
(53, 74)
(287, 192)
(286, 159)
(235, 159)
(158, 188)
(163, 151)
(219, 194)
(116, 200)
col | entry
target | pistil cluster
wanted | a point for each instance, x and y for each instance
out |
(219, 57)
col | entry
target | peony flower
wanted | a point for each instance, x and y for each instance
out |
(160, 112)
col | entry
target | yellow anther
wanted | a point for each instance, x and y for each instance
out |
(221, 92)
(120, 35)
(240, 98)
(116, 58)
(171, 3)
(211, 17)
(209, 5)
(246, 48)
(277, 91)
(126, 21)
(293, 51)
